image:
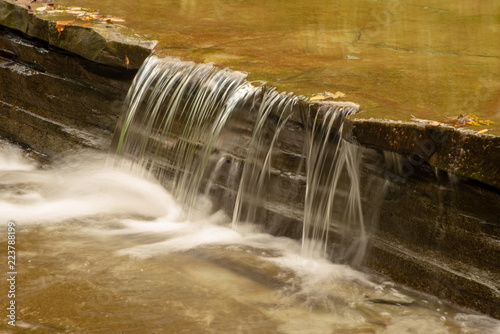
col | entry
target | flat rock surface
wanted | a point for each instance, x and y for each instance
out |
(432, 59)
(81, 31)
(458, 151)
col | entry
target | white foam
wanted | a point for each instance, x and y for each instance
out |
(84, 187)
(12, 159)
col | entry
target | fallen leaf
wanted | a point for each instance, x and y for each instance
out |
(84, 18)
(469, 119)
(335, 95)
(482, 131)
(112, 20)
(127, 61)
(76, 12)
(317, 97)
(326, 96)
(60, 25)
(428, 121)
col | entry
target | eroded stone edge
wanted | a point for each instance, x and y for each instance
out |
(103, 43)
(455, 151)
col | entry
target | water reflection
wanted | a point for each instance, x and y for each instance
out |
(430, 59)
(103, 251)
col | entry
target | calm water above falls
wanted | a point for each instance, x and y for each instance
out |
(432, 59)
(103, 251)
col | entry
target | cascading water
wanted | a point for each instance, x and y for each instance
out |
(89, 237)
(333, 201)
(177, 112)
(275, 111)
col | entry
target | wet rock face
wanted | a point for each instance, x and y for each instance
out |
(476, 156)
(53, 100)
(100, 42)
(434, 231)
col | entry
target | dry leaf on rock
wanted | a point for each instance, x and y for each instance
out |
(60, 25)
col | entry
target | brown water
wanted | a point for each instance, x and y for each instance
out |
(432, 59)
(99, 250)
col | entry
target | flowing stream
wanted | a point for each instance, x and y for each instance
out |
(100, 250)
(133, 243)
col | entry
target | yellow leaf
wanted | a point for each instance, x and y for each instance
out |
(113, 19)
(317, 97)
(335, 95)
(482, 131)
(326, 96)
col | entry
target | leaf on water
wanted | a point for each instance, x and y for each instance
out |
(113, 19)
(326, 96)
(317, 97)
(60, 25)
(428, 121)
(336, 95)
(76, 12)
(482, 131)
(469, 119)
(85, 18)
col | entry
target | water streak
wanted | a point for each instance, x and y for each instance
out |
(276, 109)
(174, 127)
(333, 201)
(176, 112)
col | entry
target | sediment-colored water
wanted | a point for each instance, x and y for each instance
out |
(100, 250)
(430, 59)
(103, 250)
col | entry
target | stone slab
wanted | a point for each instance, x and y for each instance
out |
(101, 42)
(461, 152)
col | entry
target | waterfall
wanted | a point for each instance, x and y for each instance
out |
(176, 112)
(332, 201)
(275, 111)
(196, 127)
